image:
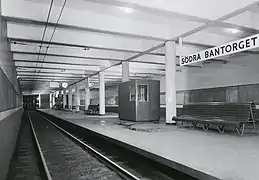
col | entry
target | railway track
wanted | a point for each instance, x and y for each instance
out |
(65, 159)
(136, 164)
(63, 151)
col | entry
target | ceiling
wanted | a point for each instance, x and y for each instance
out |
(69, 40)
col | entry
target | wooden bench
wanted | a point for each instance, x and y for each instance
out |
(219, 114)
(92, 109)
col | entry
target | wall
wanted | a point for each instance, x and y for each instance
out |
(236, 81)
(10, 102)
(111, 95)
(239, 71)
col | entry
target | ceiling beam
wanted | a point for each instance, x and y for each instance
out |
(50, 80)
(48, 76)
(61, 69)
(49, 72)
(66, 56)
(36, 80)
(25, 76)
(78, 28)
(30, 67)
(13, 40)
(82, 57)
(53, 62)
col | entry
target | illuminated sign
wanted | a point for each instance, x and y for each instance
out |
(53, 84)
(223, 50)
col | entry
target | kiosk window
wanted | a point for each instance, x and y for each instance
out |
(132, 93)
(143, 92)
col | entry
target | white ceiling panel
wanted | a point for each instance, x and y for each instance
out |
(210, 9)
(209, 38)
(100, 20)
(248, 19)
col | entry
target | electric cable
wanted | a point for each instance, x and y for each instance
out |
(44, 32)
(47, 48)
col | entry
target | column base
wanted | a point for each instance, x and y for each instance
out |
(173, 123)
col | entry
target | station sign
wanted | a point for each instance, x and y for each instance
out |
(240, 45)
(53, 84)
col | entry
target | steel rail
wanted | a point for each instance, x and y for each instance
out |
(118, 169)
(42, 158)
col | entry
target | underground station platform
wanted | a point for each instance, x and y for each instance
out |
(201, 154)
(128, 89)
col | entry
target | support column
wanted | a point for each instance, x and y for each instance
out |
(77, 97)
(70, 98)
(54, 98)
(170, 80)
(87, 94)
(39, 100)
(101, 93)
(125, 71)
(64, 98)
(50, 100)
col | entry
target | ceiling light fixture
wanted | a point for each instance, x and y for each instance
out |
(64, 85)
(233, 31)
(127, 10)
(86, 48)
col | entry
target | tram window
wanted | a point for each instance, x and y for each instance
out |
(132, 93)
(143, 92)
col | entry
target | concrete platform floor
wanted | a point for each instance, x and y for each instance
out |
(223, 156)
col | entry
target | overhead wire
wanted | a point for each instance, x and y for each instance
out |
(55, 27)
(44, 32)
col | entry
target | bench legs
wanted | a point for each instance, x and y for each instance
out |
(194, 124)
(205, 127)
(221, 128)
(240, 129)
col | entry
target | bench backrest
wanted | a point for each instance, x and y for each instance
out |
(226, 111)
(94, 107)
(253, 115)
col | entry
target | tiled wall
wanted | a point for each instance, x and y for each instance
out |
(239, 93)
(9, 97)
(10, 102)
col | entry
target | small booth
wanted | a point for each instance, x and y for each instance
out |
(139, 100)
